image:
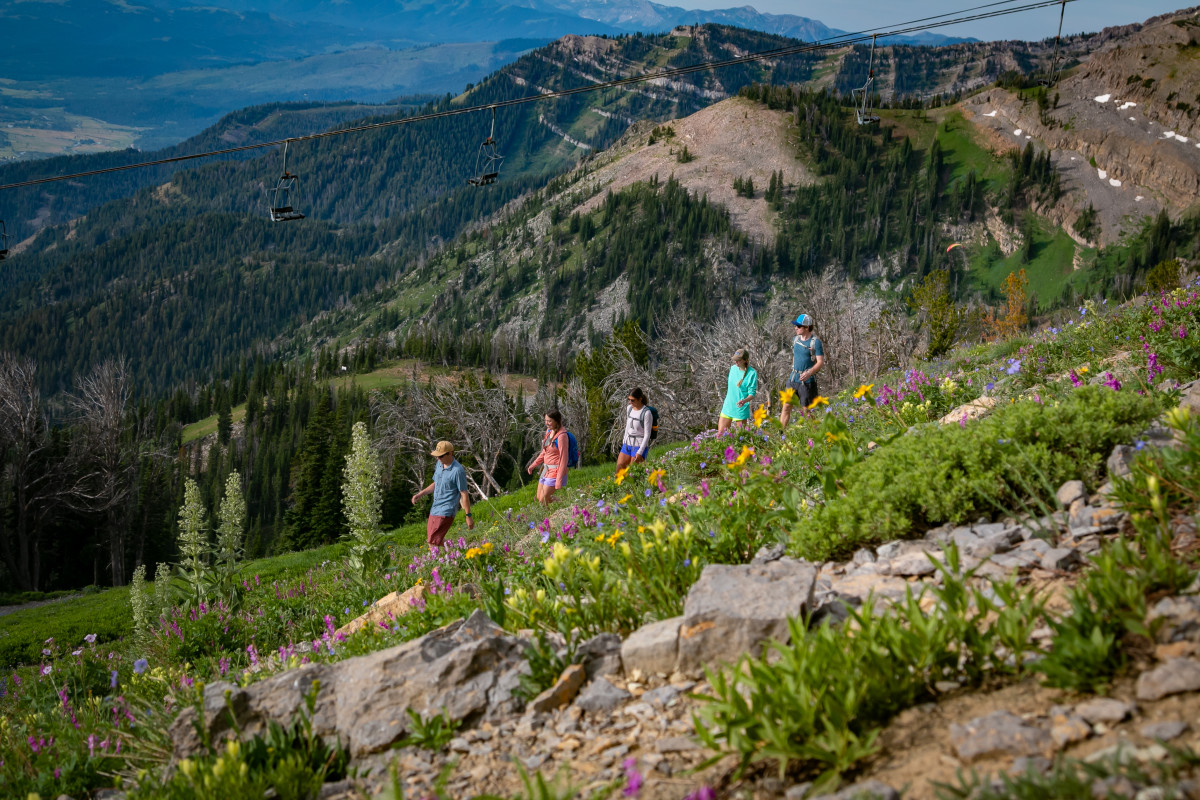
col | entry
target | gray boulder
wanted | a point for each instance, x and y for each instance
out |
(600, 695)
(1071, 491)
(601, 655)
(652, 648)
(456, 670)
(735, 609)
(1120, 461)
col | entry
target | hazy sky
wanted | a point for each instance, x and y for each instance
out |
(854, 15)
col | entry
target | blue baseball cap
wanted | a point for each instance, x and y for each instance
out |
(803, 320)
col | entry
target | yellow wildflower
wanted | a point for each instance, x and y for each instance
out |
(620, 476)
(625, 499)
(863, 390)
(655, 476)
(817, 401)
(612, 540)
(641, 528)
(787, 396)
(487, 548)
(760, 414)
(474, 551)
(1082, 370)
(741, 459)
(599, 538)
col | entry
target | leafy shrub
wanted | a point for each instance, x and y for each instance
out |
(955, 474)
(291, 763)
(1108, 605)
(822, 699)
(433, 733)
(1071, 777)
(1163, 276)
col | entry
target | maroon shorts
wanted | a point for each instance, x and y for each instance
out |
(436, 529)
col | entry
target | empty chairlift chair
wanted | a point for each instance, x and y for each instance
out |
(283, 195)
(3, 241)
(862, 107)
(487, 161)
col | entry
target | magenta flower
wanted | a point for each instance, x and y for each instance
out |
(1111, 382)
(703, 793)
(633, 778)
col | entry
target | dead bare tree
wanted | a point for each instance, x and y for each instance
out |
(476, 415)
(689, 365)
(407, 431)
(106, 452)
(28, 474)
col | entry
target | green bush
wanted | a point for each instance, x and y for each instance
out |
(1015, 458)
(820, 701)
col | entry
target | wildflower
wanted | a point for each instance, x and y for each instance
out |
(703, 793)
(140, 665)
(818, 401)
(863, 390)
(46, 670)
(1014, 366)
(77, 652)
(1181, 332)
(1111, 382)
(760, 414)
(989, 387)
(90, 638)
(625, 499)
(741, 459)
(704, 489)
(656, 477)
(472, 553)
(730, 454)
(617, 480)
(633, 778)
(112, 680)
(787, 396)
(703, 464)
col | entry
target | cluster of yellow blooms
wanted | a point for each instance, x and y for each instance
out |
(610, 540)
(760, 414)
(483, 550)
(620, 476)
(654, 477)
(863, 390)
(742, 456)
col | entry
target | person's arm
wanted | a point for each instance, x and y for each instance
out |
(427, 490)
(750, 386)
(464, 498)
(563, 444)
(541, 456)
(646, 427)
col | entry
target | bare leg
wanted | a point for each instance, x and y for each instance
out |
(623, 461)
(723, 424)
(785, 416)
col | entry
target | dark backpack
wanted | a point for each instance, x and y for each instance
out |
(573, 457)
(653, 422)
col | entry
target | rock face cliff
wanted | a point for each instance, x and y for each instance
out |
(1122, 127)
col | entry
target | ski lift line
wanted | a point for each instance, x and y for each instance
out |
(808, 47)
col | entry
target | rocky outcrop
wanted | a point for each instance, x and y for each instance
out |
(385, 609)
(466, 670)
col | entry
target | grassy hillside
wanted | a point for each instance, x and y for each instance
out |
(621, 550)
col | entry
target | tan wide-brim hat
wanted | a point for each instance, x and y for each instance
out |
(443, 448)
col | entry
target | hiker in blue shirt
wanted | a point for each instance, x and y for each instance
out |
(808, 357)
(449, 490)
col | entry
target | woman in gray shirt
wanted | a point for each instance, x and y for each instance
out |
(639, 422)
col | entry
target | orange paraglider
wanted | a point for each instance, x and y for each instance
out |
(951, 247)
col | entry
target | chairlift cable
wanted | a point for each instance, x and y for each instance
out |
(912, 26)
(1054, 62)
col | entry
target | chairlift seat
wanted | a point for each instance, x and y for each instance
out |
(285, 214)
(3, 254)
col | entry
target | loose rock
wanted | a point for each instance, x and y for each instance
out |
(652, 648)
(1174, 677)
(1164, 731)
(600, 695)
(863, 790)
(1104, 709)
(562, 692)
(1071, 491)
(999, 733)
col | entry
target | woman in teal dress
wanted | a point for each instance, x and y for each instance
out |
(743, 385)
